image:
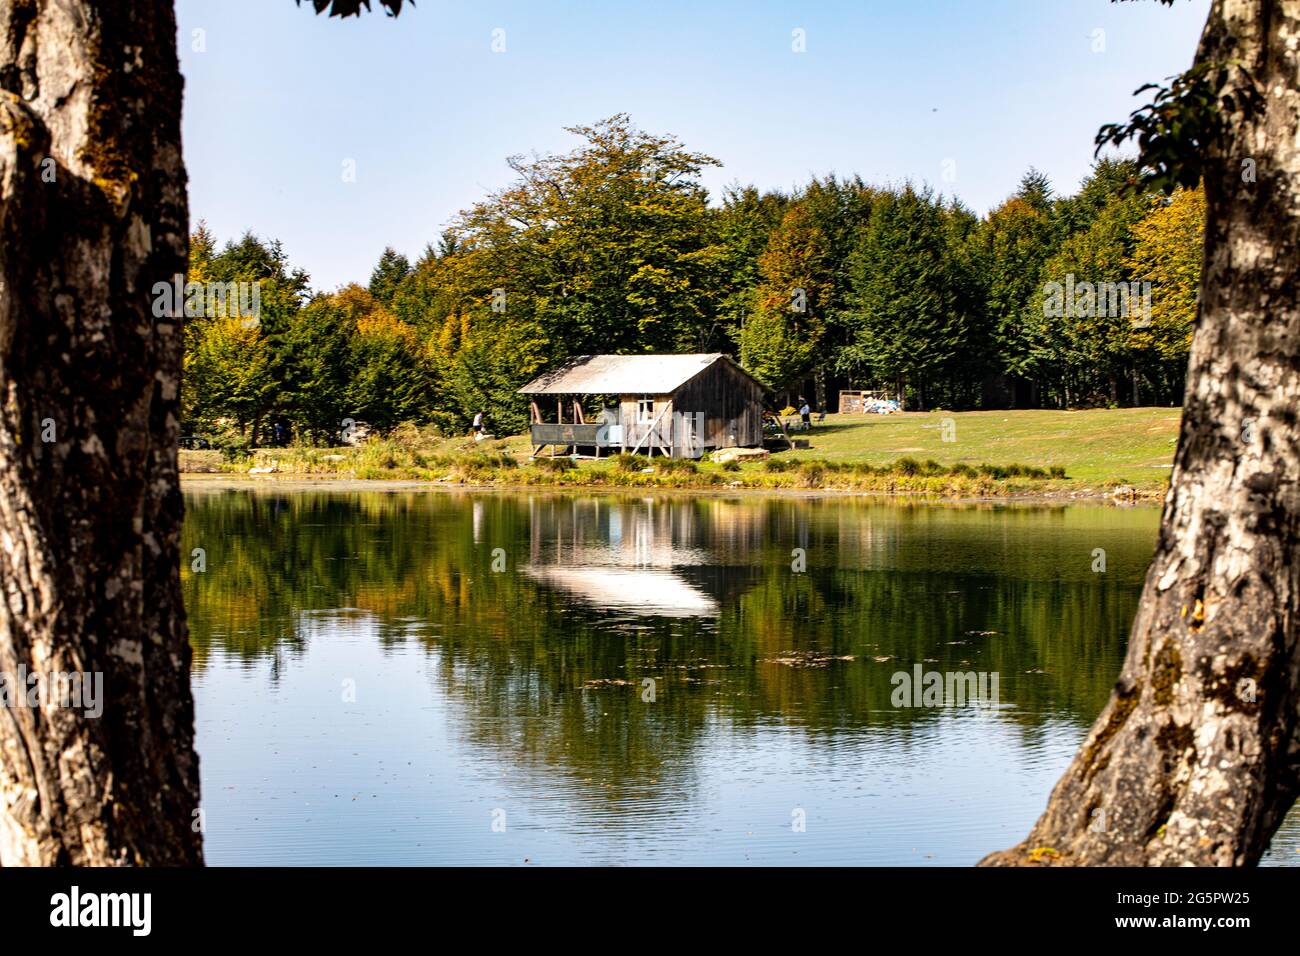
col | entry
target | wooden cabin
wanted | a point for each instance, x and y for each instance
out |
(675, 405)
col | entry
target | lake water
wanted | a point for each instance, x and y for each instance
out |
(433, 677)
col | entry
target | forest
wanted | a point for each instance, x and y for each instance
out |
(617, 246)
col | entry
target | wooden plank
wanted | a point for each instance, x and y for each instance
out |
(653, 425)
(667, 451)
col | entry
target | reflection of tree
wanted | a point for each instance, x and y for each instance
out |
(556, 683)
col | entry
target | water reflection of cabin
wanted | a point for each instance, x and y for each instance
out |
(675, 405)
(685, 557)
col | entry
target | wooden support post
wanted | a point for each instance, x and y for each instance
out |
(650, 433)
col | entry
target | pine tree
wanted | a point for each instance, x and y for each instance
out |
(392, 270)
(902, 308)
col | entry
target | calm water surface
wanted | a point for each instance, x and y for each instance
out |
(397, 677)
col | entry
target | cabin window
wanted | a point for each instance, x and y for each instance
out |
(645, 409)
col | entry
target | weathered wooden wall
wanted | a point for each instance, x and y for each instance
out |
(634, 430)
(732, 404)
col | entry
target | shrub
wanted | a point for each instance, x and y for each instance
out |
(732, 465)
(629, 463)
(676, 466)
(555, 466)
(485, 465)
(232, 444)
(1023, 471)
(379, 453)
(813, 472)
(406, 435)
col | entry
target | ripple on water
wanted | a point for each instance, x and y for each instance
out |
(649, 681)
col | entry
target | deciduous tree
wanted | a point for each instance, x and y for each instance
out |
(93, 216)
(1195, 759)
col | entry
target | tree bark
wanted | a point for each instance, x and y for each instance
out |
(93, 213)
(1195, 758)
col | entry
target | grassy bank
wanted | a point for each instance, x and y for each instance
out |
(1121, 446)
(994, 454)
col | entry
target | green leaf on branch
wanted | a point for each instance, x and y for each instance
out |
(1182, 119)
(352, 8)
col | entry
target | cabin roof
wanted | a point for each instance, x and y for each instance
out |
(623, 374)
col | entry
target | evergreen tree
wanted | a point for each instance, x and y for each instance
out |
(902, 300)
(743, 227)
(388, 275)
(1009, 249)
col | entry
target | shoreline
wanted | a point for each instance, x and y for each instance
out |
(226, 481)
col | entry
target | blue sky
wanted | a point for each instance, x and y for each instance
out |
(278, 99)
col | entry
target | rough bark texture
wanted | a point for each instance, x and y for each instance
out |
(90, 522)
(1194, 760)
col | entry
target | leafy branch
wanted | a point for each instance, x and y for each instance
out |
(1182, 119)
(352, 8)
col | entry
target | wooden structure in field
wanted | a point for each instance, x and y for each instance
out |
(852, 402)
(675, 405)
(855, 402)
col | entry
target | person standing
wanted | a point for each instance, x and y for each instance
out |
(478, 424)
(805, 413)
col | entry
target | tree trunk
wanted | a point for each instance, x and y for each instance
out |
(92, 214)
(1194, 760)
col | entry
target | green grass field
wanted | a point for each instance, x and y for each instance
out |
(1133, 446)
(1099, 450)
